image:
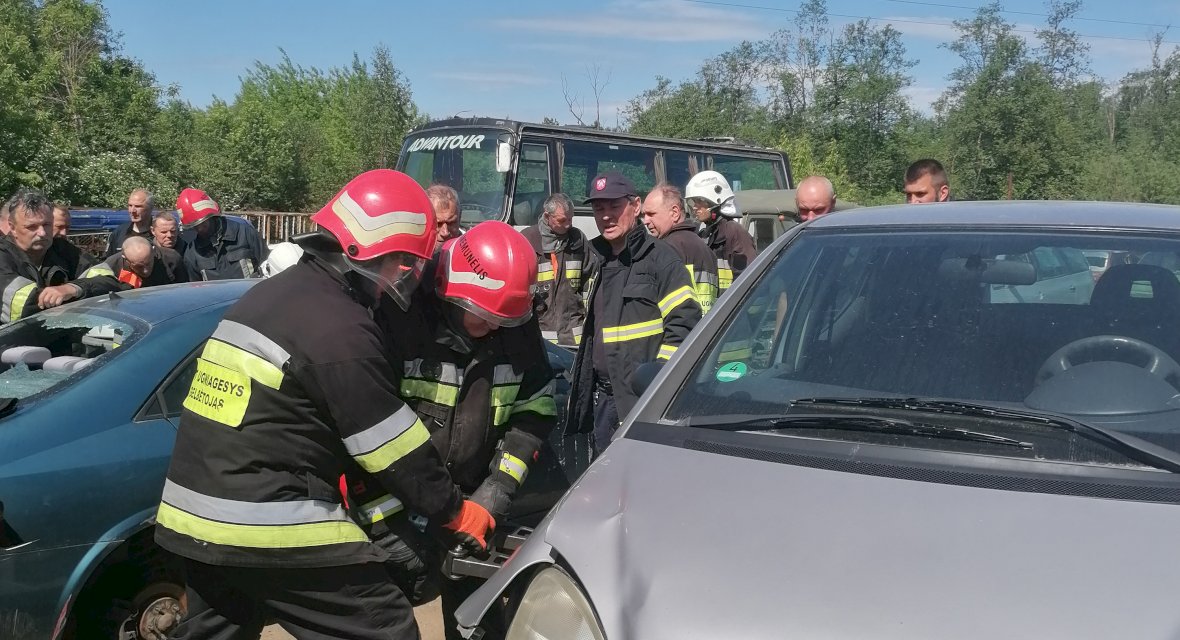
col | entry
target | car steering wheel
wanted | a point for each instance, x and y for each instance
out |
(1159, 363)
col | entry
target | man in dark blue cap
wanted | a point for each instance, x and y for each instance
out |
(641, 307)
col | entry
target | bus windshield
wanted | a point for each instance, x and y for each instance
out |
(464, 159)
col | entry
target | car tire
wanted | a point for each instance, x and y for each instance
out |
(131, 602)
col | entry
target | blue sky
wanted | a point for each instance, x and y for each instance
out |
(507, 59)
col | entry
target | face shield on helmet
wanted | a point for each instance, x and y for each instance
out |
(397, 274)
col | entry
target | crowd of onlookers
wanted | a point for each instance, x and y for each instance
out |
(41, 268)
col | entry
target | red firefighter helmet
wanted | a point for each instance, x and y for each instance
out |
(490, 271)
(194, 207)
(385, 226)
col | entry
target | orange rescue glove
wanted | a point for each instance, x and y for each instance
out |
(472, 527)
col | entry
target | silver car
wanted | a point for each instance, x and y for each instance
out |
(902, 456)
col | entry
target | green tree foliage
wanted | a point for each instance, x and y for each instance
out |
(1020, 117)
(87, 124)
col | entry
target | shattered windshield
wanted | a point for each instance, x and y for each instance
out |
(44, 351)
(1018, 319)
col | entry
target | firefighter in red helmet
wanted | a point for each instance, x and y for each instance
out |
(294, 386)
(479, 377)
(217, 247)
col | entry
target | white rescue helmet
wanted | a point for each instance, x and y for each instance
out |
(713, 188)
(282, 255)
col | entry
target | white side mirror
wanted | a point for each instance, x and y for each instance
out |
(503, 156)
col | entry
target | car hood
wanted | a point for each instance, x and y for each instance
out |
(673, 543)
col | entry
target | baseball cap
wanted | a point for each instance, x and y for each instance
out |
(609, 185)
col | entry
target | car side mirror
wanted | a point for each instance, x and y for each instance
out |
(644, 375)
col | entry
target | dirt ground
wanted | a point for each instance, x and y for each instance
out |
(429, 623)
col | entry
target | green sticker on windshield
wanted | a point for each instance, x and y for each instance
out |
(732, 371)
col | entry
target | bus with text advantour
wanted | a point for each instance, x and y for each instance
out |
(504, 170)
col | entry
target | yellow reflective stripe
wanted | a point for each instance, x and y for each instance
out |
(284, 536)
(381, 508)
(395, 449)
(236, 359)
(724, 278)
(100, 269)
(577, 338)
(665, 352)
(675, 299)
(503, 398)
(430, 391)
(19, 300)
(573, 275)
(544, 276)
(691, 277)
(514, 467)
(543, 405)
(633, 331)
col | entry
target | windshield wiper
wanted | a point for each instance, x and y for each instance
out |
(859, 423)
(1130, 446)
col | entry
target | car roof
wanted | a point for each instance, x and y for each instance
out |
(157, 304)
(1010, 214)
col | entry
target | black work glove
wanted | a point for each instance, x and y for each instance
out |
(413, 563)
(494, 496)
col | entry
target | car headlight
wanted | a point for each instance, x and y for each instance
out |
(554, 607)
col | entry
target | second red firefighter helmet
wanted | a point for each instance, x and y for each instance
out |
(490, 271)
(195, 206)
(385, 226)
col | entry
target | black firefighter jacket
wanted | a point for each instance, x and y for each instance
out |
(732, 246)
(698, 260)
(110, 274)
(294, 384)
(487, 410)
(22, 282)
(233, 250)
(649, 308)
(563, 279)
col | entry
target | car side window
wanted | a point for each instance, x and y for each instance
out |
(168, 398)
(176, 387)
(1049, 264)
(1075, 260)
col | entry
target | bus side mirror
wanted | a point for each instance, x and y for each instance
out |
(503, 156)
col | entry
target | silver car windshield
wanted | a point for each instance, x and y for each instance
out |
(43, 352)
(1014, 319)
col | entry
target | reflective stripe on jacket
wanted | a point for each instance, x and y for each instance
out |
(112, 275)
(496, 400)
(702, 266)
(21, 282)
(733, 248)
(649, 308)
(563, 279)
(276, 412)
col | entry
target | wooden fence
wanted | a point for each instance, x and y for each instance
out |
(277, 226)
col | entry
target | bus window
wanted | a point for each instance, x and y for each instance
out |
(680, 167)
(747, 173)
(532, 184)
(585, 159)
